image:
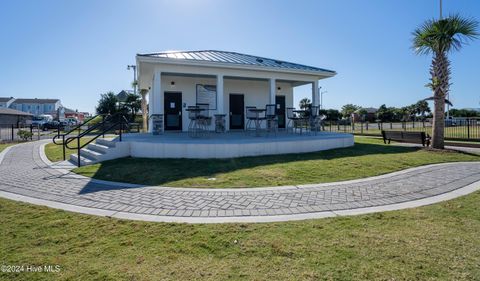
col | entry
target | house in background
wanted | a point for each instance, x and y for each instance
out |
(9, 117)
(80, 116)
(368, 114)
(6, 101)
(37, 106)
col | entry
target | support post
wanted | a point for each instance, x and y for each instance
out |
(315, 96)
(156, 104)
(468, 128)
(78, 151)
(63, 147)
(273, 89)
(220, 102)
(143, 93)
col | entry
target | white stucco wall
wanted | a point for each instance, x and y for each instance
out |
(256, 93)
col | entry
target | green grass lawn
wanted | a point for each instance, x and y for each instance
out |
(55, 152)
(369, 157)
(438, 242)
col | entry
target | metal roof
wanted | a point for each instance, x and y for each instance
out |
(35, 100)
(2, 99)
(234, 58)
(9, 111)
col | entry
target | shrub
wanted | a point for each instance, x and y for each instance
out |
(25, 135)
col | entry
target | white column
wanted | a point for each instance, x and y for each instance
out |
(158, 93)
(155, 98)
(273, 89)
(220, 103)
(151, 104)
(143, 93)
(315, 96)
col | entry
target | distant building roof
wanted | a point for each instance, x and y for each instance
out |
(36, 101)
(224, 57)
(9, 111)
(122, 96)
(368, 109)
(68, 110)
(4, 99)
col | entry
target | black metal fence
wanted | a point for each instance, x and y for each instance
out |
(464, 129)
(13, 132)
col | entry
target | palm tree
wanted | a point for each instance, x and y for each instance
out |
(305, 103)
(421, 107)
(440, 37)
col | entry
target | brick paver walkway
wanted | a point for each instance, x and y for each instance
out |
(23, 172)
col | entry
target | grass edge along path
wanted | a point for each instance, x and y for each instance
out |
(369, 157)
(5, 145)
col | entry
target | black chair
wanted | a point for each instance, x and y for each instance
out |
(251, 116)
(315, 119)
(271, 117)
(204, 115)
(292, 118)
(195, 126)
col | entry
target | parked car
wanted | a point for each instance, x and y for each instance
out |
(41, 120)
(52, 125)
(71, 121)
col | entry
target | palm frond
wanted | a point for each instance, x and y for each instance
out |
(444, 35)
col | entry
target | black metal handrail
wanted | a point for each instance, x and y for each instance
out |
(94, 127)
(121, 121)
(78, 127)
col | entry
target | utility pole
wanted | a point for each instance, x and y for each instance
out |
(321, 98)
(134, 67)
(441, 9)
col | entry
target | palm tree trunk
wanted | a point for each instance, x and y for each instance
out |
(440, 72)
(438, 124)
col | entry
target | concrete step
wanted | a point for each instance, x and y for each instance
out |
(106, 142)
(91, 154)
(98, 147)
(83, 160)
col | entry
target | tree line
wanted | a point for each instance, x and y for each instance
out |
(415, 112)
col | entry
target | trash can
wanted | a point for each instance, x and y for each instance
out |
(157, 124)
(220, 123)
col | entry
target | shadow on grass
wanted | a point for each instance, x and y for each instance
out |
(148, 171)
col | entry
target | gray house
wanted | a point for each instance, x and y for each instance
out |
(14, 117)
(37, 106)
(5, 102)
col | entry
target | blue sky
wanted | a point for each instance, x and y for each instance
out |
(76, 50)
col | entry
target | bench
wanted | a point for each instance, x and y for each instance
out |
(411, 137)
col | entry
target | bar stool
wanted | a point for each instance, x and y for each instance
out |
(271, 117)
(251, 116)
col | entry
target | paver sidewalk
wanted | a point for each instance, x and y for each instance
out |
(25, 176)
